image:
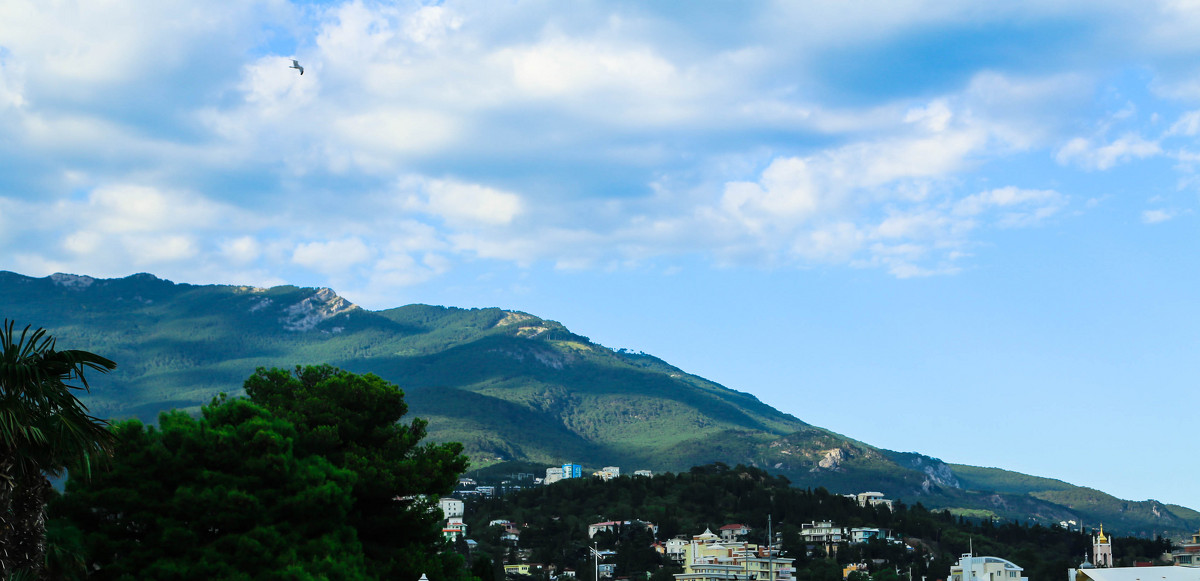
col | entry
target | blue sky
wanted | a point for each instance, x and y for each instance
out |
(961, 229)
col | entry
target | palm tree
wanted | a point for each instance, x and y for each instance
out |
(44, 429)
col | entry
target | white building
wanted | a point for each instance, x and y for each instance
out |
(553, 475)
(1136, 574)
(451, 507)
(972, 568)
(608, 473)
(871, 499)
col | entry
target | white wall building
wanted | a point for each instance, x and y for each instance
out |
(972, 568)
(451, 507)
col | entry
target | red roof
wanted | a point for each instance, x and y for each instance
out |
(731, 527)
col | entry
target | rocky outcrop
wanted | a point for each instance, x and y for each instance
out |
(322, 305)
(72, 281)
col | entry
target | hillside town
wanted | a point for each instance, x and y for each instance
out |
(726, 555)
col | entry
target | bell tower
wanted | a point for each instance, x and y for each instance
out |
(1102, 550)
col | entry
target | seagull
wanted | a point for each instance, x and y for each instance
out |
(296, 65)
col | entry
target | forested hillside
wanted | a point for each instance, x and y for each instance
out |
(510, 386)
(554, 522)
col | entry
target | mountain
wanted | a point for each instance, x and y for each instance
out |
(510, 386)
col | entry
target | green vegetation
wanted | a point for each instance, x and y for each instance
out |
(44, 429)
(311, 477)
(511, 387)
(554, 522)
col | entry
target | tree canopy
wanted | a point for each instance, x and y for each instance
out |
(311, 476)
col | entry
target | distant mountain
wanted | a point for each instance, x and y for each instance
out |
(510, 386)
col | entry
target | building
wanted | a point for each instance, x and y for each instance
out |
(707, 557)
(454, 529)
(972, 568)
(1102, 550)
(1188, 555)
(1135, 574)
(863, 534)
(451, 507)
(512, 533)
(609, 526)
(645, 473)
(614, 526)
(823, 534)
(608, 473)
(733, 532)
(572, 471)
(553, 475)
(871, 499)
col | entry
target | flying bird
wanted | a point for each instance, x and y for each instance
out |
(296, 65)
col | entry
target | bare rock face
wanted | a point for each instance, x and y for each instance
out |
(833, 458)
(72, 281)
(324, 304)
(936, 473)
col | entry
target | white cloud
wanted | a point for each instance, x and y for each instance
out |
(467, 203)
(134, 208)
(1017, 207)
(584, 136)
(241, 250)
(1083, 152)
(331, 257)
(1156, 216)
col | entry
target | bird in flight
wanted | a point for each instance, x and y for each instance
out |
(296, 65)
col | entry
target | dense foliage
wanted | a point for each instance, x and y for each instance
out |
(555, 520)
(44, 429)
(311, 477)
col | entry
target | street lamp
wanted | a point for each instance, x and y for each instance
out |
(596, 556)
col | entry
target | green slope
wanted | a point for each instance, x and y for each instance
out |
(511, 386)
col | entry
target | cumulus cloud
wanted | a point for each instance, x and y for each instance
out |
(423, 138)
(464, 202)
(333, 256)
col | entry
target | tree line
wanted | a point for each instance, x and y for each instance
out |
(554, 522)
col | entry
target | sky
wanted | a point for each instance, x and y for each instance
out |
(963, 229)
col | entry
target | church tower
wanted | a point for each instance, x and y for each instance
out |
(1102, 550)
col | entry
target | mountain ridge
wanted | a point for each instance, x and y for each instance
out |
(511, 386)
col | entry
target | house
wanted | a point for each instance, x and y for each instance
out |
(733, 532)
(614, 526)
(674, 548)
(512, 533)
(454, 529)
(972, 568)
(823, 534)
(524, 569)
(863, 534)
(609, 526)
